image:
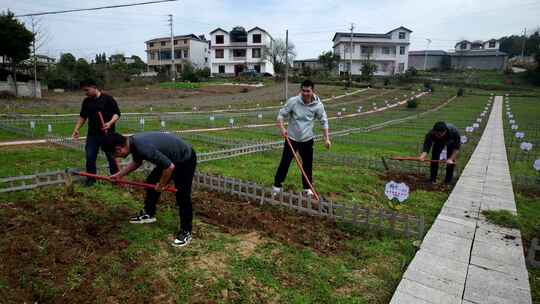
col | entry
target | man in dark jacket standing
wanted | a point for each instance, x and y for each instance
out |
(174, 159)
(96, 102)
(442, 135)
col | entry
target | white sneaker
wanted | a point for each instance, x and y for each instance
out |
(275, 190)
(308, 192)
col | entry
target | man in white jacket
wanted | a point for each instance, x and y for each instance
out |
(301, 111)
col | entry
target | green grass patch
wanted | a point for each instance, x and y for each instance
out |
(180, 85)
(503, 218)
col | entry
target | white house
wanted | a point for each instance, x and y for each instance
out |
(488, 45)
(389, 51)
(187, 48)
(239, 50)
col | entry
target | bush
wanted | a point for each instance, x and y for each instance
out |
(386, 82)
(6, 95)
(411, 72)
(412, 103)
(460, 92)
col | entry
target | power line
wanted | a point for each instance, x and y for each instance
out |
(94, 8)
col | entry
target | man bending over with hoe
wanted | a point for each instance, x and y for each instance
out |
(442, 135)
(174, 159)
(301, 111)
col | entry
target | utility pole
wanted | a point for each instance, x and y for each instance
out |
(286, 65)
(34, 55)
(425, 55)
(173, 68)
(351, 49)
(523, 44)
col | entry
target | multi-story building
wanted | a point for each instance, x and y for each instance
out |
(239, 50)
(389, 51)
(187, 48)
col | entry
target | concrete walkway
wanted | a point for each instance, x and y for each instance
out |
(463, 258)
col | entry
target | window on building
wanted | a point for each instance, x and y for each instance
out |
(151, 44)
(152, 56)
(492, 44)
(220, 53)
(257, 68)
(257, 38)
(163, 43)
(221, 69)
(205, 59)
(165, 55)
(219, 39)
(401, 67)
(401, 35)
(239, 53)
(185, 41)
(402, 50)
(175, 42)
(463, 46)
(178, 54)
(386, 50)
(186, 53)
(256, 53)
(367, 50)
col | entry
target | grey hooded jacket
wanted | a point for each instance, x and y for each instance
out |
(301, 117)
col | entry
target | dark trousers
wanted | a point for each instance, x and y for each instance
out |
(183, 178)
(436, 154)
(305, 150)
(93, 144)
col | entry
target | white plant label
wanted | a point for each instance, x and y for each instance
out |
(536, 165)
(231, 121)
(526, 146)
(49, 128)
(212, 118)
(32, 124)
(396, 190)
(476, 125)
(512, 121)
(141, 121)
(163, 123)
(469, 129)
(520, 134)
(479, 120)
(463, 139)
(259, 116)
(514, 127)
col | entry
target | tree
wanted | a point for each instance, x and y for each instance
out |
(368, 68)
(138, 66)
(329, 60)
(83, 71)
(67, 62)
(276, 52)
(16, 41)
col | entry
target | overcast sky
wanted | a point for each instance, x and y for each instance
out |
(311, 23)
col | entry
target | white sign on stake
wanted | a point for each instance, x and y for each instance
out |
(231, 121)
(511, 116)
(520, 134)
(469, 129)
(163, 123)
(536, 165)
(463, 139)
(526, 146)
(259, 116)
(194, 108)
(141, 121)
(32, 124)
(343, 109)
(359, 109)
(512, 121)
(483, 114)
(400, 191)
(476, 125)
(479, 120)
(339, 114)
(514, 127)
(49, 128)
(212, 118)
